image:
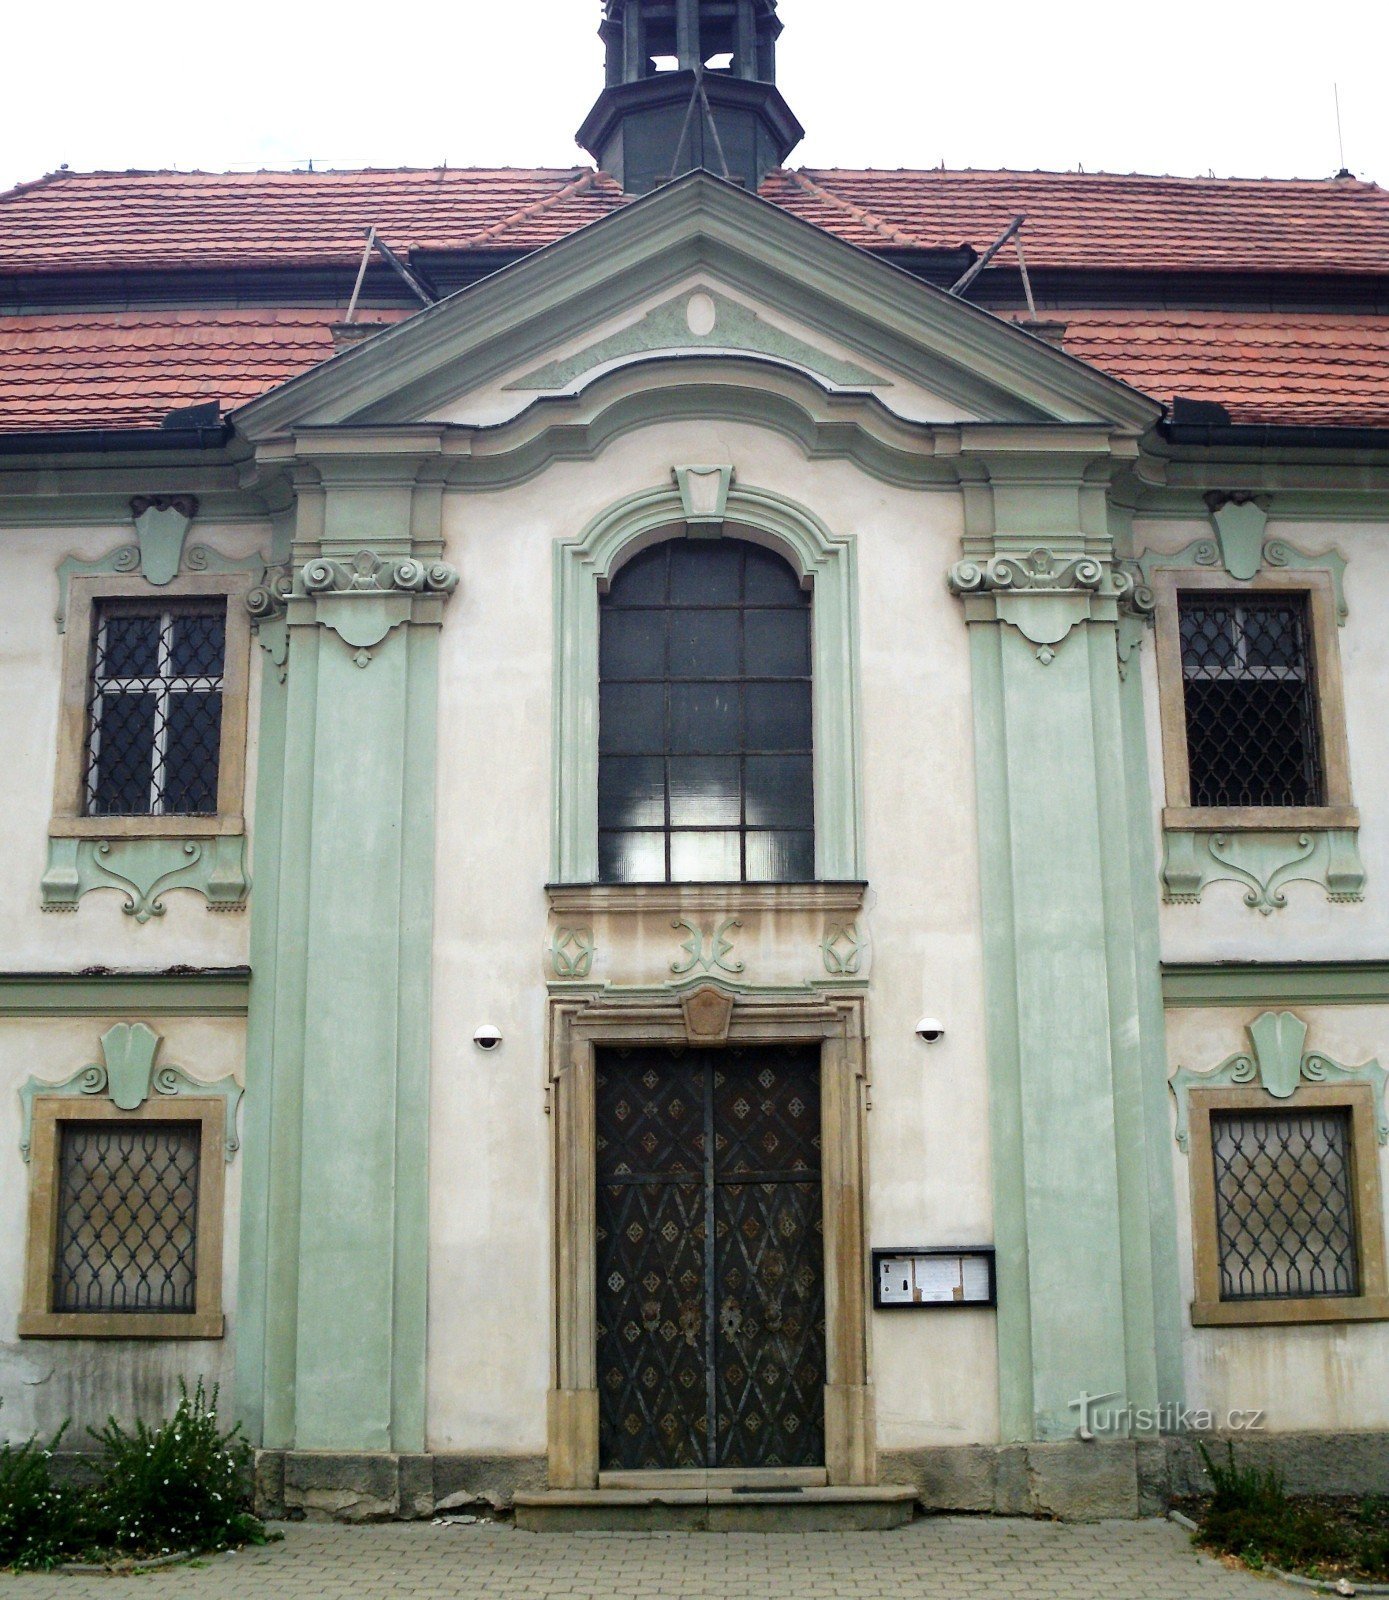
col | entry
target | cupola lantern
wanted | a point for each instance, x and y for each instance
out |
(690, 83)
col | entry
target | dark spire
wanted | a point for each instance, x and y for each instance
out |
(690, 83)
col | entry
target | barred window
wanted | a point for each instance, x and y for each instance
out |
(1284, 1212)
(127, 1216)
(705, 767)
(1250, 697)
(154, 710)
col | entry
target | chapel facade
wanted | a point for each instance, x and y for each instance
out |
(693, 832)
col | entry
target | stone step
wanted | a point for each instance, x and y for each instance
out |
(754, 1509)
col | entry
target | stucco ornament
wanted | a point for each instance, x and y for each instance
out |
(1042, 594)
(1263, 863)
(842, 949)
(1277, 1063)
(127, 1076)
(145, 870)
(571, 952)
(361, 600)
(707, 949)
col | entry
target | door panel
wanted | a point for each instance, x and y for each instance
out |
(710, 1267)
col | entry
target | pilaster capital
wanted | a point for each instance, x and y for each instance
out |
(362, 597)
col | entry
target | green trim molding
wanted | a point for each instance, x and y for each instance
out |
(1297, 983)
(826, 561)
(1277, 1063)
(209, 992)
(127, 1076)
(1263, 863)
(145, 870)
(700, 319)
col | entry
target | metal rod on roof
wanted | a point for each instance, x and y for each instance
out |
(1026, 281)
(963, 283)
(361, 274)
(410, 280)
(713, 126)
(684, 130)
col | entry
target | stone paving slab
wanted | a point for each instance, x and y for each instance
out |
(931, 1559)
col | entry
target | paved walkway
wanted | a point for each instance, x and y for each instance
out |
(973, 1557)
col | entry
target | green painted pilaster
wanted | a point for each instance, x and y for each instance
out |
(337, 1218)
(1070, 983)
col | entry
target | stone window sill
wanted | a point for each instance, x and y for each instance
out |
(134, 1325)
(1261, 1313)
(1250, 819)
(590, 899)
(143, 827)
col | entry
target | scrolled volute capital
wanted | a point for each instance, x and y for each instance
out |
(1041, 571)
(370, 574)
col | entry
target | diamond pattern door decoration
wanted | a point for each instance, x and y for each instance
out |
(710, 1269)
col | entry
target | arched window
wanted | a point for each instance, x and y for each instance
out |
(705, 769)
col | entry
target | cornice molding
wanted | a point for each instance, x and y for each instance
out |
(1299, 983)
(214, 992)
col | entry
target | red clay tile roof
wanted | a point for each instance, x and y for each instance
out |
(94, 220)
(86, 221)
(1106, 220)
(129, 369)
(1300, 368)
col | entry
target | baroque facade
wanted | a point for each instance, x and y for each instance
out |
(655, 849)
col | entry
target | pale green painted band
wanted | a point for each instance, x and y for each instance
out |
(218, 993)
(1293, 983)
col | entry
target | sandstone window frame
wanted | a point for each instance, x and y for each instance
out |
(1372, 1303)
(1169, 584)
(85, 593)
(37, 1319)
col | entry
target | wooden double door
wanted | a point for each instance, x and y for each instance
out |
(710, 1258)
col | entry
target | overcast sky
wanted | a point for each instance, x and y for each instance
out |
(1241, 89)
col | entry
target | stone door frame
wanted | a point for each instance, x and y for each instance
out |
(580, 1025)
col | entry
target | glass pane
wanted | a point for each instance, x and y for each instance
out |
(777, 644)
(641, 582)
(131, 646)
(704, 717)
(705, 572)
(781, 791)
(781, 857)
(632, 857)
(704, 644)
(631, 717)
(192, 747)
(631, 644)
(631, 792)
(1273, 636)
(123, 747)
(704, 791)
(771, 580)
(197, 645)
(778, 716)
(704, 858)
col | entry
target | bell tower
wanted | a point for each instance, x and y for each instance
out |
(690, 83)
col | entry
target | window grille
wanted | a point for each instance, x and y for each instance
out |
(1285, 1218)
(705, 767)
(1251, 712)
(154, 712)
(127, 1218)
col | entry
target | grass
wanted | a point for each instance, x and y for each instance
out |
(1251, 1515)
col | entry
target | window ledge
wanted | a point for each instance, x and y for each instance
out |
(1251, 819)
(120, 1325)
(172, 827)
(572, 899)
(1260, 1313)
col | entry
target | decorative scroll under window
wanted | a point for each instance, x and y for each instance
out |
(127, 1218)
(154, 714)
(705, 766)
(1250, 696)
(1285, 1216)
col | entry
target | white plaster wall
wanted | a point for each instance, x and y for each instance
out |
(44, 1382)
(1311, 928)
(1328, 1376)
(97, 933)
(490, 1308)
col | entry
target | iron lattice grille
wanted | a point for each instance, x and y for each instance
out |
(127, 1217)
(705, 768)
(154, 713)
(1285, 1218)
(1251, 712)
(711, 1336)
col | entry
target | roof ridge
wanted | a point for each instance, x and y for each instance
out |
(34, 183)
(869, 218)
(1098, 173)
(586, 180)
